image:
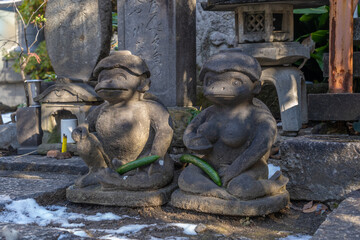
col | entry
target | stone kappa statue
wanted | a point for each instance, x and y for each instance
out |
(130, 124)
(234, 136)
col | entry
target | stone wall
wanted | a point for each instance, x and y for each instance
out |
(215, 31)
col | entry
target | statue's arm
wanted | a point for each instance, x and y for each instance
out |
(194, 140)
(261, 143)
(92, 116)
(161, 123)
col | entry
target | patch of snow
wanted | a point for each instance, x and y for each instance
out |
(111, 237)
(5, 198)
(297, 237)
(161, 162)
(169, 238)
(125, 177)
(76, 231)
(27, 211)
(129, 229)
(6, 117)
(272, 169)
(279, 124)
(189, 229)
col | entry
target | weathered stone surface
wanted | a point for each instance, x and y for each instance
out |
(64, 101)
(226, 5)
(180, 119)
(8, 136)
(343, 223)
(121, 198)
(163, 33)
(78, 35)
(356, 64)
(215, 31)
(10, 231)
(334, 107)
(28, 126)
(276, 53)
(74, 165)
(273, 23)
(45, 147)
(45, 187)
(257, 207)
(291, 91)
(321, 168)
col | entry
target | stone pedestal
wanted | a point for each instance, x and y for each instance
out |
(321, 168)
(28, 129)
(121, 198)
(257, 207)
(163, 33)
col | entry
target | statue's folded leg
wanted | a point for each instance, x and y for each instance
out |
(138, 179)
(193, 180)
(247, 187)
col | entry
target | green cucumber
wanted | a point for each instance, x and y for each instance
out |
(137, 163)
(187, 158)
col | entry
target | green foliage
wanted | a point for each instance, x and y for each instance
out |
(36, 70)
(314, 22)
(28, 7)
(194, 112)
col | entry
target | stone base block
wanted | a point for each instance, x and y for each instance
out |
(257, 207)
(321, 168)
(121, 198)
(334, 107)
(45, 147)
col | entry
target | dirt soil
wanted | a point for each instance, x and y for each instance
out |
(274, 226)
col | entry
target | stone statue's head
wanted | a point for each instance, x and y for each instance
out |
(231, 77)
(121, 76)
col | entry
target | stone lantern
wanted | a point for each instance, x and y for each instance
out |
(264, 30)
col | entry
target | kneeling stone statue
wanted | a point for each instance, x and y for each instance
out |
(234, 136)
(129, 125)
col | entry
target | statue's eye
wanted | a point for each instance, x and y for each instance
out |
(236, 82)
(210, 81)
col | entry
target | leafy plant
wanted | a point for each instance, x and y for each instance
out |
(316, 20)
(29, 7)
(30, 11)
(194, 112)
(38, 67)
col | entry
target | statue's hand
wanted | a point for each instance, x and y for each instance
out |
(199, 144)
(117, 163)
(227, 174)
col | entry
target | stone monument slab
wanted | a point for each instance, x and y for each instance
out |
(78, 35)
(162, 33)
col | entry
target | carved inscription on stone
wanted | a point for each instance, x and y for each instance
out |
(146, 28)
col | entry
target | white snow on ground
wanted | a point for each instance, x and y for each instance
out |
(75, 231)
(272, 169)
(297, 237)
(189, 229)
(6, 117)
(28, 211)
(4, 198)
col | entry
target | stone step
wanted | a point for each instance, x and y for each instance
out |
(46, 188)
(356, 64)
(74, 165)
(343, 223)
